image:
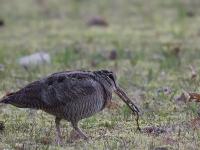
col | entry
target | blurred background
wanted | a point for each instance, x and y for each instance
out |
(119, 35)
(153, 46)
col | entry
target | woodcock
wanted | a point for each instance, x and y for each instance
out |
(70, 95)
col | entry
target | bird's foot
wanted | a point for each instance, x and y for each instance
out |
(83, 136)
(76, 135)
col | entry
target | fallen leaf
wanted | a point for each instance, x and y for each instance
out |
(2, 126)
(97, 21)
(1, 23)
(113, 55)
(160, 148)
(181, 98)
(165, 90)
(194, 96)
(176, 51)
(190, 13)
(45, 140)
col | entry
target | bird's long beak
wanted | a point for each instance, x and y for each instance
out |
(130, 104)
(125, 98)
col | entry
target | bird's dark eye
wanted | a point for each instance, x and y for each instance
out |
(111, 77)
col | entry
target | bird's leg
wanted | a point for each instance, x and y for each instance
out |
(58, 133)
(78, 130)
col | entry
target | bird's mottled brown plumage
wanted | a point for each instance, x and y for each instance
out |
(71, 95)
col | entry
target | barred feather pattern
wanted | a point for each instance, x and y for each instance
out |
(67, 95)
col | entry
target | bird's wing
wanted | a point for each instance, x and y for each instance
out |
(63, 88)
(56, 89)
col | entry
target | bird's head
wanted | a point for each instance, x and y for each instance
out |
(108, 79)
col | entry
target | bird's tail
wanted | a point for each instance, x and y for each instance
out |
(13, 99)
(27, 97)
(7, 99)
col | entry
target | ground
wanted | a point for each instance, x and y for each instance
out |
(153, 46)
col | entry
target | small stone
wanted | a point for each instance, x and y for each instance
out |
(2, 67)
(35, 60)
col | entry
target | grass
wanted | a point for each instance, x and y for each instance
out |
(145, 35)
